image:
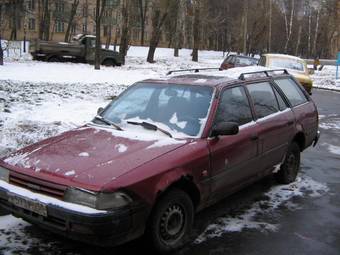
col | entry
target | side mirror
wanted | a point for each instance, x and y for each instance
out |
(225, 128)
(100, 110)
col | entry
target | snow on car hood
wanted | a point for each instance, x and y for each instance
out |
(91, 155)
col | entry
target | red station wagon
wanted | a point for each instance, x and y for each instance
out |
(161, 151)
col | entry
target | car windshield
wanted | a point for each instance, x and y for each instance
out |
(287, 64)
(181, 110)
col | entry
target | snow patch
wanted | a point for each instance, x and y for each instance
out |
(277, 196)
(70, 173)
(334, 149)
(121, 148)
(174, 120)
(84, 154)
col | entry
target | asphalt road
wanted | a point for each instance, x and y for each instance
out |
(311, 226)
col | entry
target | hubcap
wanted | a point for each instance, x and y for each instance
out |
(172, 223)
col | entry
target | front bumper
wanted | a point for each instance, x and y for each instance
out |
(109, 228)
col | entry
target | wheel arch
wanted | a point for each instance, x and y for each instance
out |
(300, 139)
(185, 183)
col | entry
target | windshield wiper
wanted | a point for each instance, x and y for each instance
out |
(98, 117)
(150, 126)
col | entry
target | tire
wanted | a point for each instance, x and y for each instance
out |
(171, 221)
(53, 59)
(109, 62)
(291, 165)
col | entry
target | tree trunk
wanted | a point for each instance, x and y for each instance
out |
(316, 33)
(270, 26)
(290, 26)
(100, 5)
(125, 35)
(1, 51)
(196, 32)
(298, 41)
(159, 17)
(142, 12)
(245, 27)
(70, 21)
(309, 33)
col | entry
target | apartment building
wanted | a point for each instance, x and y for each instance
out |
(29, 16)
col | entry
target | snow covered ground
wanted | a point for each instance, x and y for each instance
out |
(325, 79)
(39, 100)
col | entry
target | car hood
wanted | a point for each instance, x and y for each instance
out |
(90, 157)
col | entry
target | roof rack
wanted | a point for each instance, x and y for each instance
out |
(196, 70)
(266, 72)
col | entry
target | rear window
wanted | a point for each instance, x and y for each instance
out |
(292, 64)
(292, 91)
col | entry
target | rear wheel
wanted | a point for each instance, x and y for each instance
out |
(109, 62)
(171, 221)
(53, 59)
(290, 166)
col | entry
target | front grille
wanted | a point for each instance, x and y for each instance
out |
(38, 186)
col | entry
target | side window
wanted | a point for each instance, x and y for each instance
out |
(234, 107)
(282, 104)
(263, 98)
(262, 61)
(292, 91)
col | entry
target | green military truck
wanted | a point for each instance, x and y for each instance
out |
(81, 49)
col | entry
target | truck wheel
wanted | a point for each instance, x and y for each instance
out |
(171, 221)
(53, 59)
(109, 62)
(290, 166)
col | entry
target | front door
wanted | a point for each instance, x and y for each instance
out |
(233, 158)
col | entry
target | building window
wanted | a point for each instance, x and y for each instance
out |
(31, 24)
(85, 10)
(59, 26)
(84, 28)
(31, 5)
(60, 6)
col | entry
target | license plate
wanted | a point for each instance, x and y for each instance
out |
(28, 204)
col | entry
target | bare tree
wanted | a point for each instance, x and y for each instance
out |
(180, 27)
(70, 22)
(289, 23)
(100, 5)
(143, 9)
(159, 15)
(196, 29)
(1, 28)
(270, 26)
(125, 30)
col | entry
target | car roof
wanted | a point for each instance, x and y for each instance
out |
(214, 78)
(242, 56)
(283, 56)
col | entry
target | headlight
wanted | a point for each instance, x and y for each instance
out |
(4, 174)
(99, 201)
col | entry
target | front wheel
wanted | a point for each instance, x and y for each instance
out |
(291, 165)
(171, 221)
(109, 62)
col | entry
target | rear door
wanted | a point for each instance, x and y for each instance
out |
(275, 123)
(303, 107)
(233, 158)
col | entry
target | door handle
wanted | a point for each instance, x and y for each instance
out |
(254, 137)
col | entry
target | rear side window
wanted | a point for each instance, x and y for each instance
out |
(282, 103)
(292, 91)
(234, 107)
(264, 99)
